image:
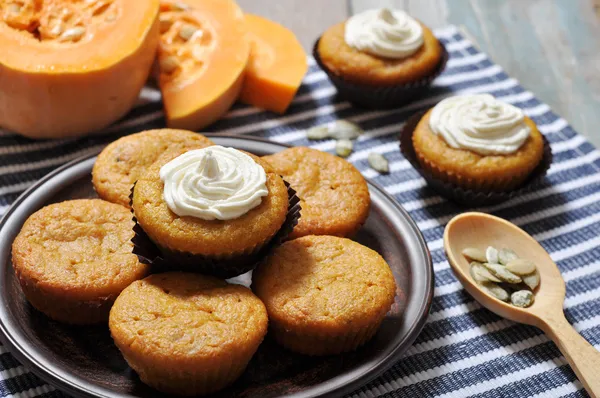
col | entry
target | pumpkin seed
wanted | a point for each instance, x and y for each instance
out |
(474, 254)
(520, 266)
(56, 29)
(343, 148)
(533, 280)
(378, 162)
(73, 34)
(187, 31)
(164, 23)
(179, 6)
(343, 129)
(491, 255)
(500, 272)
(506, 255)
(169, 64)
(481, 274)
(317, 133)
(495, 291)
(522, 298)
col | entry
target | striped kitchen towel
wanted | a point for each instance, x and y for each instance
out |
(464, 349)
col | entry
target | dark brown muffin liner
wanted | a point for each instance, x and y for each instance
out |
(227, 266)
(469, 197)
(379, 97)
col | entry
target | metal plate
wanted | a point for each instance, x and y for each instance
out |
(84, 362)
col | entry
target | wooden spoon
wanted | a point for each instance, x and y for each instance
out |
(480, 230)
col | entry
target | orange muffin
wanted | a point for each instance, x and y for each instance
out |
(187, 334)
(74, 258)
(360, 66)
(333, 194)
(324, 295)
(477, 142)
(122, 162)
(208, 204)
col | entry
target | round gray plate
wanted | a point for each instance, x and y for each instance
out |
(84, 362)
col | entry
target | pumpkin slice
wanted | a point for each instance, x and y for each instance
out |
(71, 67)
(276, 68)
(202, 57)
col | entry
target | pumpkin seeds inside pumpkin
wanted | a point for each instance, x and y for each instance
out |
(179, 6)
(494, 290)
(491, 254)
(506, 255)
(481, 274)
(520, 266)
(169, 64)
(378, 162)
(500, 272)
(522, 298)
(73, 34)
(164, 23)
(474, 254)
(343, 148)
(532, 280)
(187, 31)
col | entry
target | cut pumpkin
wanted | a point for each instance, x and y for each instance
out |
(68, 67)
(202, 58)
(276, 68)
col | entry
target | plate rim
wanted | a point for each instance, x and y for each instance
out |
(330, 389)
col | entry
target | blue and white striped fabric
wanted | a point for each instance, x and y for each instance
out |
(464, 349)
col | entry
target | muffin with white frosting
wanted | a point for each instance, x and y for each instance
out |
(478, 142)
(211, 210)
(380, 57)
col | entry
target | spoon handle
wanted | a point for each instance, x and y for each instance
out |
(581, 355)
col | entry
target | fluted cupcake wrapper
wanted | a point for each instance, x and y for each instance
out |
(226, 266)
(378, 97)
(477, 196)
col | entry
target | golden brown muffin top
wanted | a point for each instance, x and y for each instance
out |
(333, 194)
(363, 68)
(80, 247)
(217, 237)
(122, 162)
(324, 282)
(180, 315)
(472, 165)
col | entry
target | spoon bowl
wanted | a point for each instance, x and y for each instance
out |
(480, 230)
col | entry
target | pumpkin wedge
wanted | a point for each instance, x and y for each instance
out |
(68, 67)
(276, 68)
(202, 58)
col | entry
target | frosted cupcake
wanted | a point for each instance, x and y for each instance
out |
(478, 142)
(380, 58)
(211, 210)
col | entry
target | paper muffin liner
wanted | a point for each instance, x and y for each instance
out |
(224, 266)
(381, 97)
(318, 344)
(475, 196)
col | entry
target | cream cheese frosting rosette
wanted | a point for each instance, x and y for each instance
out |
(479, 123)
(214, 183)
(384, 33)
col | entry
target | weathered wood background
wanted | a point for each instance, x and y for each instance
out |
(551, 46)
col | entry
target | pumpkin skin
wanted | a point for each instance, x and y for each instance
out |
(53, 87)
(201, 75)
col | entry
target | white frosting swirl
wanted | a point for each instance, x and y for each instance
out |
(213, 183)
(479, 123)
(384, 33)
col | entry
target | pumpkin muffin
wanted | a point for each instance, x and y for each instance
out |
(324, 295)
(380, 48)
(477, 142)
(187, 334)
(333, 194)
(122, 162)
(210, 204)
(74, 258)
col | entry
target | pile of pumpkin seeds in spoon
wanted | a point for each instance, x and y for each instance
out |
(503, 275)
(345, 132)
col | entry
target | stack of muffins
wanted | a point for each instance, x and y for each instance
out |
(208, 209)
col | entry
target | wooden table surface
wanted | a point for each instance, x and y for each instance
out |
(551, 46)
